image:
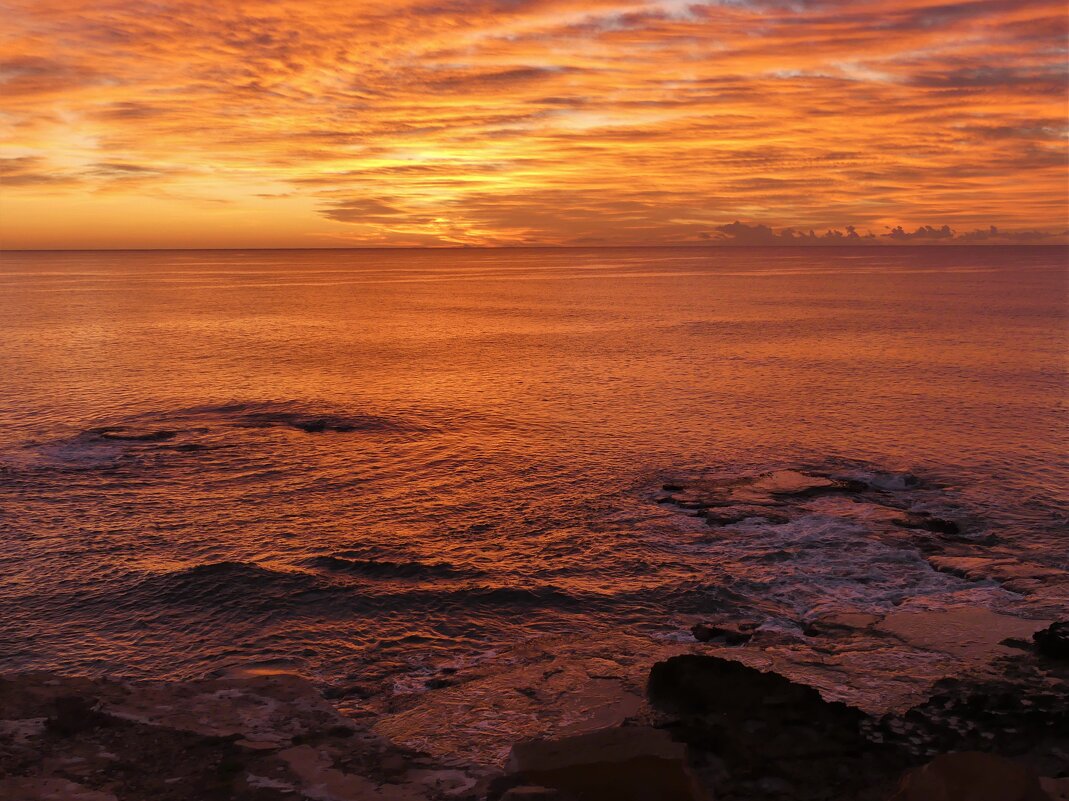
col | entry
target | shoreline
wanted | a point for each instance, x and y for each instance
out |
(733, 730)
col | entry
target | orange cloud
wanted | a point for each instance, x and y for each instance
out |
(497, 122)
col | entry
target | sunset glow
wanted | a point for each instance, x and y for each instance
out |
(308, 123)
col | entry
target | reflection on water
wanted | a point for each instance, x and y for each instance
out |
(356, 461)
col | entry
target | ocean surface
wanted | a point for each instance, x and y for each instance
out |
(364, 463)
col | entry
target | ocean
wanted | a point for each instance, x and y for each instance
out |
(359, 464)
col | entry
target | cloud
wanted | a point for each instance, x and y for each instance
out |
(926, 233)
(366, 210)
(33, 75)
(550, 121)
(738, 233)
(30, 171)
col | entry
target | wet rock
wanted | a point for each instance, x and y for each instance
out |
(1056, 789)
(726, 633)
(1053, 641)
(971, 631)
(1023, 712)
(21, 788)
(936, 525)
(839, 623)
(729, 515)
(1012, 573)
(621, 764)
(265, 738)
(970, 776)
(74, 715)
(531, 793)
(129, 435)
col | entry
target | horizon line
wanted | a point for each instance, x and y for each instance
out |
(719, 246)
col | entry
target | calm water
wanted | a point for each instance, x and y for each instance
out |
(386, 459)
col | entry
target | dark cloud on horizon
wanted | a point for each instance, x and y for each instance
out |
(739, 233)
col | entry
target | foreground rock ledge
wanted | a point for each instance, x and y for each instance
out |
(624, 764)
(266, 738)
(711, 726)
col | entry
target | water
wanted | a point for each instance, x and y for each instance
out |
(371, 462)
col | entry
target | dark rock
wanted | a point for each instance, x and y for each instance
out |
(762, 725)
(970, 776)
(673, 487)
(126, 435)
(74, 715)
(830, 487)
(529, 792)
(728, 515)
(731, 635)
(1053, 641)
(936, 525)
(1016, 642)
(622, 764)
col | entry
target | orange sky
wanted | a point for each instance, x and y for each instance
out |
(306, 123)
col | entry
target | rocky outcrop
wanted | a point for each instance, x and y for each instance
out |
(971, 776)
(620, 764)
(259, 738)
(757, 735)
(764, 736)
(728, 633)
(1053, 641)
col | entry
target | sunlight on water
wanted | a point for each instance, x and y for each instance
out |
(393, 458)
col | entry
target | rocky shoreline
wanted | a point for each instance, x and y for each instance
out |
(694, 725)
(930, 694)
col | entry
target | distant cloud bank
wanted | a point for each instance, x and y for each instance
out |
(738, 233)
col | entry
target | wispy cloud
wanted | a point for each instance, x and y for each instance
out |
(541, 121)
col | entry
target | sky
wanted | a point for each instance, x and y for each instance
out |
(330, 123)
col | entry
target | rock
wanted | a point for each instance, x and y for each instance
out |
(936, 525)
(729, 515)
(729, 634)
(126, 435)
(1057, 789)
(838, 623)
(762, 727)
(74, 715)
(48, 789)
(262, 738)
(972, 632)
(1053, 641)
(529, 792)
(621, 764)
(771, 785)
(693, 683)
(970, 776)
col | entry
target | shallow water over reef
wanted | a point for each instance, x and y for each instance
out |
(371, 467)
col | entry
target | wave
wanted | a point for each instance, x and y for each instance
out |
(216, 584)
(244, 588)
(123, 434)
(301, 417)
(383, 568)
